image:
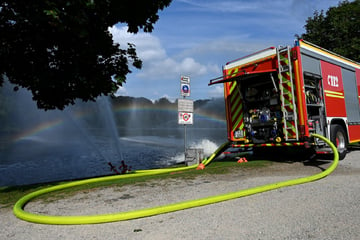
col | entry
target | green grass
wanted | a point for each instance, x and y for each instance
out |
(9, 195)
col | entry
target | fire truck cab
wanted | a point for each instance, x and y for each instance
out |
(280, 96)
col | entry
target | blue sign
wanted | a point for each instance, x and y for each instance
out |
(185, 90)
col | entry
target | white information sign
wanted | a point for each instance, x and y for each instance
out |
(185, 105)
(185, 79)
(185, 118)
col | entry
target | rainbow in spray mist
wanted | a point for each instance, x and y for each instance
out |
(42, 126)
(58, 145)
(36, 130)
(201, 114)
(51, 124)
(65, 144)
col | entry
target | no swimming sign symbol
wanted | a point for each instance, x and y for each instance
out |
(185, 118)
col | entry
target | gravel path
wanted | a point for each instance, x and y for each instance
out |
(326, 209)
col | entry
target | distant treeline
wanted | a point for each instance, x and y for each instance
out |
(142, 112)
(19, 113)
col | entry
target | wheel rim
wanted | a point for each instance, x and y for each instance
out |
(340, 141)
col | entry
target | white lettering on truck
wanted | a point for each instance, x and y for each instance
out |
(333, 81)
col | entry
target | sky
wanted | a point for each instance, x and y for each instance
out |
(196, 38)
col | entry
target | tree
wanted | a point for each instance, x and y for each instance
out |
(337, 30)
(62, 50)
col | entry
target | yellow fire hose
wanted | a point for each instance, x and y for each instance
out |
(92, 219)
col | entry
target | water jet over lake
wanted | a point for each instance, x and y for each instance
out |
(39, 146)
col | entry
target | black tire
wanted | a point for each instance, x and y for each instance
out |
(339, 139)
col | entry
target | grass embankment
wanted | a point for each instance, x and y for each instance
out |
(9, 195)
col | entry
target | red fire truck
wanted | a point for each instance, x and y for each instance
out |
(280, 96)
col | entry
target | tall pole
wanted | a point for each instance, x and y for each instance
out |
(185, 142)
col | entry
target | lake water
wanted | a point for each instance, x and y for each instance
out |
(38, 146)
(45, 157)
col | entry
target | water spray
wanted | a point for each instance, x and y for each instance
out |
(84, 134)
(106, 109)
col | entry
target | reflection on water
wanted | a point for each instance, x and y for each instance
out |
(36, 160)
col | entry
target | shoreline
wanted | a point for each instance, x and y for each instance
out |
(299, 212)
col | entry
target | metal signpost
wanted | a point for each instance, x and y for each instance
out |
(185, 106)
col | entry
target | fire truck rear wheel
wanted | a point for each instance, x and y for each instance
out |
(339, 138)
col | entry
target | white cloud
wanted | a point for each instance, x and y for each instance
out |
(148, 47)
(216, 91)
(121, 92)
(156, 63)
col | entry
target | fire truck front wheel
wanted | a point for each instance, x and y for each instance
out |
(338, 137)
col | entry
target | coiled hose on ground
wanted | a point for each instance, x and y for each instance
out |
(92, 219)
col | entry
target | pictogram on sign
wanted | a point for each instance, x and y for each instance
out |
(185, 89)
(185, 118)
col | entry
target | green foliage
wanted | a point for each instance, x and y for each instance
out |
(62, 50)
(337, 30)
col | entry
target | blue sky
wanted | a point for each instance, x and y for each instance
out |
(196, 38)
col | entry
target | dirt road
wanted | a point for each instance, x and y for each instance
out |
(325, 209)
